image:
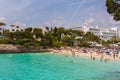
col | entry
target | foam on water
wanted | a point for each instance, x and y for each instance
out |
(38, 66)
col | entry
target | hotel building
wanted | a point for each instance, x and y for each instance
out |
(16, 27)
(1, 29)
(102, 32)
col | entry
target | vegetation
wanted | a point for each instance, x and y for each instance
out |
(113, 8)
(91, 37)
(2, 24)
(52, 37)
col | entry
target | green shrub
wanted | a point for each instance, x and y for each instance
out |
(5, 41)
(44, 47)
(84, 44)
(59, 44)
(27, 45)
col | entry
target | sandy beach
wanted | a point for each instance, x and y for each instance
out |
(90, 53)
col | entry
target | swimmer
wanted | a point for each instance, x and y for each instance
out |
(93, 58)
(66, 56)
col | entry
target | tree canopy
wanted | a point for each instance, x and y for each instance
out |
(90, 37)
(113, 8)
(51, 37)
(2, 24)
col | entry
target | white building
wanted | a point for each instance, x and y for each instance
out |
(119, 33)
(1, 29)
(102, 33)
(16, 27)
(84, 28)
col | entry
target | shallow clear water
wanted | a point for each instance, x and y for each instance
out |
(38, 66)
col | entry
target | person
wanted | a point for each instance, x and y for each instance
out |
(101, 53)
(91, 55)
(114, 54)
(117, 52)
(66, 55)
(84, 50)
(93, 58)
(98, 51)
(101, 58)
(73, 53)
(105, 60)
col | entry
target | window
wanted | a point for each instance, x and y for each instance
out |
(13, 30)
(17, 26)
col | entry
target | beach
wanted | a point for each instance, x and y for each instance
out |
(92, 53)
(103, 54)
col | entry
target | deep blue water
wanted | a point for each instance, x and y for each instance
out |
(45, 66)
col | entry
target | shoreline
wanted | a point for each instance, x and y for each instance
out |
(66, 51)
(23, 51)
(87, 56)
(102, 57)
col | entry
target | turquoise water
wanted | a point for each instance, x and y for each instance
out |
(38, 66)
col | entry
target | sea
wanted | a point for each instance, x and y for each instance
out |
(47, 66)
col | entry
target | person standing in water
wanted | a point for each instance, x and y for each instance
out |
(91, 54)
(73, 53)
(101, 53)
(114, 54)
(117, 52)
(101, 58)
